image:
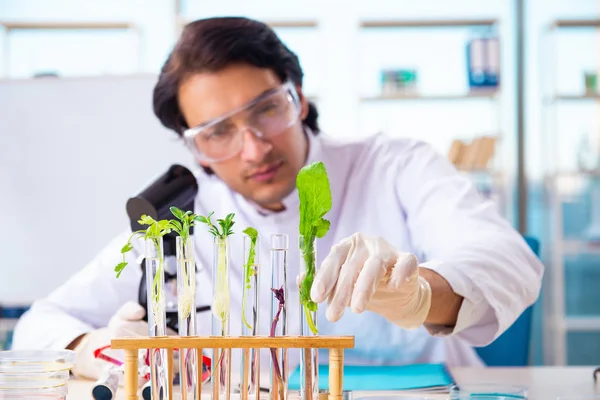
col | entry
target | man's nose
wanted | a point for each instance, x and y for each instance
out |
(254, 148)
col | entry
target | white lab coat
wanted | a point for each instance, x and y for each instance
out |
(395, 188)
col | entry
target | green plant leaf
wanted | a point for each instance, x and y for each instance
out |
(314, 193)
(146, 220)
(251, 232)
(128, 247)
(249, 266)
(176, 212)
(120, 267)
(322, 227)
(202, 219)
(163, 224)
(177, 226)
(315, 197)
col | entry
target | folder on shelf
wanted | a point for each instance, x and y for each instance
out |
(415, 377)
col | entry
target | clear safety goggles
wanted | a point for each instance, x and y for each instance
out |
(266, 116)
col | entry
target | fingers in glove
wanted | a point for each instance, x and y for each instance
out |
(129, 328)
(326, 277)
(131, 311)
(348, 275)
(372, 273)
(404, 270)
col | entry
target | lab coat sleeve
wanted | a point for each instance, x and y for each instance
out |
(85, 302)
(464, 238)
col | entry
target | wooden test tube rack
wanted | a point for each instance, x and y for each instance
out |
(131, 346)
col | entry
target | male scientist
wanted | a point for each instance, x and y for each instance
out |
(416, 265)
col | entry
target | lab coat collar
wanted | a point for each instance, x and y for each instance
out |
(291, 202)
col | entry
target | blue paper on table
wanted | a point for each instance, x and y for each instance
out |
(402, 377)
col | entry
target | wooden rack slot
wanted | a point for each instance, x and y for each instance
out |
(335, 344)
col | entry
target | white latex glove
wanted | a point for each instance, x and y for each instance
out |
(367, 273)
(127, 321)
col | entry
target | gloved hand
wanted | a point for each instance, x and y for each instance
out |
(367, 273)
(127, 321)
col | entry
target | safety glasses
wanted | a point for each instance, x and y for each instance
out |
(266, 116)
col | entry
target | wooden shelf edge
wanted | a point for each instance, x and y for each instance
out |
(66, 25)
(471, 95)
(293, 24)
(575, 23)
(572, 97)
(425, 23)
(307, 23)
(234, 342)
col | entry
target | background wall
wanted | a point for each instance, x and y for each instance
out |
(341, 62)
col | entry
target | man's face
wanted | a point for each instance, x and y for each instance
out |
(265, 169)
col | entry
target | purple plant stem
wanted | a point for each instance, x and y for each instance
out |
(279, 295)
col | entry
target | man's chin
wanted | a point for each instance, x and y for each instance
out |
(271, 196)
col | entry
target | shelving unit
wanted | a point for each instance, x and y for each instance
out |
(475, 94)
(10, 26)
(427, 23)
(275, 24)
(557, 323)
(498, 181)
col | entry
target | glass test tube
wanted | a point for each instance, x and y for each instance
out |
(186, 306)
(155, 289)
(279, 357)
(221, 361)
(309, 362)
(250, 367)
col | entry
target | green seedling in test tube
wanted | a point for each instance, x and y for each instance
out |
(155, 231)
(315, 201)
(250, 270)
(220, 306)
(181, 225)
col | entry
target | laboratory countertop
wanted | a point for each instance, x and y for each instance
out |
(542, 383)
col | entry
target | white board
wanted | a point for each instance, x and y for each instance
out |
(72, 151)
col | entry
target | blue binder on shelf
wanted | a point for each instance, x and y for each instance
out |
(414, 377)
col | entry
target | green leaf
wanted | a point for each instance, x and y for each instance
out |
(315, 198)
(176, 212)
(152, 231)
(202, 219)
(120, 267)
(126, 248)
(177, 226)
(146, 220)
(314, 193)
(163, 224)
(321, 228)
(225, 225)
(251, 232)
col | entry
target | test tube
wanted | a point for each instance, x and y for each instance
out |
(155, 289)
(106, 386)
(186, 306)
(250, 367)
(279, 357)
(309, 362)
(221, 361)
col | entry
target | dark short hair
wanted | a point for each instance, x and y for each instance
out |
(209, 45)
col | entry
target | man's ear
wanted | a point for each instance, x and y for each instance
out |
(303, 102)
